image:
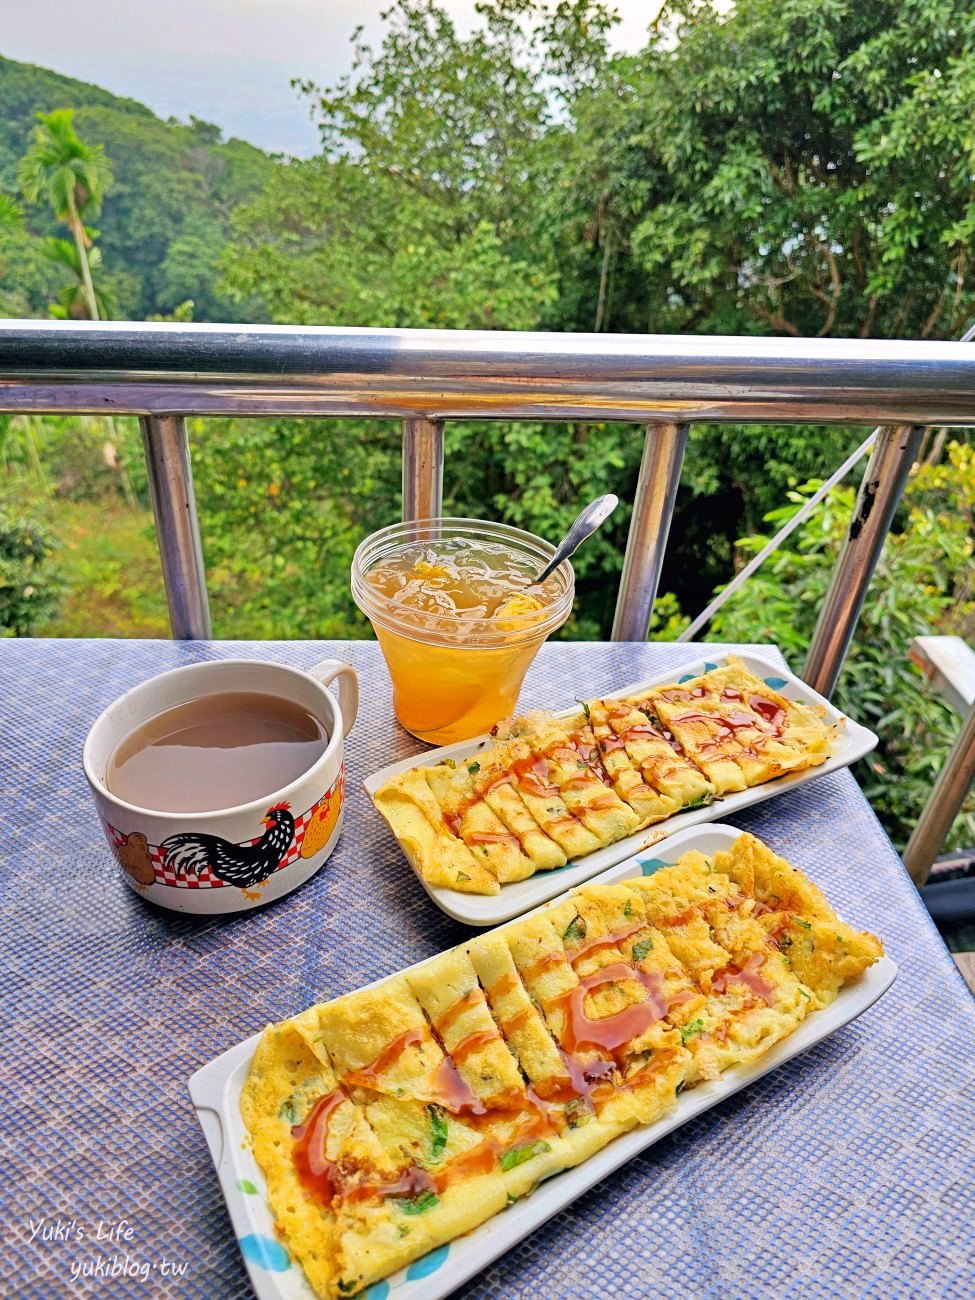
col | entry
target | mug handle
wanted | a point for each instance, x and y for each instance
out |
(326, 671)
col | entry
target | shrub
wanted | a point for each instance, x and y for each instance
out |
(30, 588)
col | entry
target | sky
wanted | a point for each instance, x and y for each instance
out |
(226, 61)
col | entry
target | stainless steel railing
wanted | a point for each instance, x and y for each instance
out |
(162, 373)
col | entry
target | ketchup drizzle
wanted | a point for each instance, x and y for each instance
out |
(745, 974)
(515, 1022)
(457, 1008)
(547, 961)
(315, 1171)
(457, 1095)
(473, 1043)
(768, 711)
(532, 775)
(589, 946)
(502, 985)
(581, 782)
(611, 1032)
(370, 1075)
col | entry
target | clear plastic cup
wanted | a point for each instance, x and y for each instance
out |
(455, 676)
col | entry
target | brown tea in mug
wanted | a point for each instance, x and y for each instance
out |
(215, 753)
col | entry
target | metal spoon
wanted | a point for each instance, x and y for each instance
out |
(595, 513)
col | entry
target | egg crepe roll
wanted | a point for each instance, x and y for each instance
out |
(539, 954)
(648, 951)
(562, 792)
(453, 1000)
(649, 804)
(552, 790)
(518, 1017)
(533, 784)
(416, 819)
(594, 930)
(621, 1009)
(389, 1061)
(527, 1141)
(284, 1090)
(820, 949)
(739, 731)
(495, 786)
(590, 1012)
(675, 898)
(567, 747)
(626, 729)
(751, 999)
(467, 816)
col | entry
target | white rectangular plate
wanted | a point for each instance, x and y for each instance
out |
(518, 897)
(216, 1089)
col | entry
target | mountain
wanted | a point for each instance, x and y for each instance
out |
(166, 217)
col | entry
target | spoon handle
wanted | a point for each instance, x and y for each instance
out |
(589, 519)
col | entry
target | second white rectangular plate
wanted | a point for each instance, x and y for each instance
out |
(518, 897)
(215, 1090)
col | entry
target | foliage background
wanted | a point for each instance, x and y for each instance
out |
(802, 167)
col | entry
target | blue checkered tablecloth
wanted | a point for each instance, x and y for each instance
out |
(848, 1172)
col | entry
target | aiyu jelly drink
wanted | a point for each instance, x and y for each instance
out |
(459, 618)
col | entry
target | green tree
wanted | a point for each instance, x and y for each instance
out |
(11, 216)
(73, 177)
(789, 166)
(421, 209)
(923, 586)
(74, 300)
(28, 280)
(191, 266)
(423, 212)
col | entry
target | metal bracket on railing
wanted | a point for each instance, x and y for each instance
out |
(422, 469)
(177, 525)
(883, 482)
(653, 508)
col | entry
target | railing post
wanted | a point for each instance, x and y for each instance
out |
(943, 805)
(883, 482)
(653, 507)
(422, 469)
(177, 526)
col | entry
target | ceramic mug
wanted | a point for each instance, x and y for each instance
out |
(276, 843)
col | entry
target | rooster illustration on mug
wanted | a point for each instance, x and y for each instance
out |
(247, 866)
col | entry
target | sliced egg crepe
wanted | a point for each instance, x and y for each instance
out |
(388, 1121)
(552, 790)
(739, 731)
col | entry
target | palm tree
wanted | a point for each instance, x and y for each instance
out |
(73, 176)
(74, 304)
(11, 217)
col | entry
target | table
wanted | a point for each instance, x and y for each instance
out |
(849, 1172)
